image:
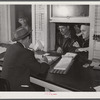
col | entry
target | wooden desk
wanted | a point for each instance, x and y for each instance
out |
(61, 85)
(74, 80)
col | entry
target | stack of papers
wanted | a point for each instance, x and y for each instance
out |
(51, 59)
(38, 56)
(0, 68)
(97, 88)
(64, 64)
(72, 55)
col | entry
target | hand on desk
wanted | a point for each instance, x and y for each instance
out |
(76, 44)
(86, 65)
(82, 49)
(43, 59)
(59, 50)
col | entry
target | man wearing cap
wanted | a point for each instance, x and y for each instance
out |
(65, 41)
(20, 63)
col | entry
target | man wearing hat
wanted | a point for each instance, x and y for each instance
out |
(20, 63)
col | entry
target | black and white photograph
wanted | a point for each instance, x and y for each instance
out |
(49, 47)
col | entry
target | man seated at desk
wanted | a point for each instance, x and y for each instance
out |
(20, 63)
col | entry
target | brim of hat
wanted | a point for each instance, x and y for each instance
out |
(16, 39)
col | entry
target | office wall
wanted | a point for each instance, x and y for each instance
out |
(96, 44)
(4, 32)
(41, 25)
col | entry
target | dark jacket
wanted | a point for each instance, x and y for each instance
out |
(79, 39)
(85, 43)
(83, 56)
(65, 43)
(19, 64)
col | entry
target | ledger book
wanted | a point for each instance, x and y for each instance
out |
(64, 64)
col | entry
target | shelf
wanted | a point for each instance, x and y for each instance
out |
(71, 20)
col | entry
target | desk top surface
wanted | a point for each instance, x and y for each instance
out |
(77, 78)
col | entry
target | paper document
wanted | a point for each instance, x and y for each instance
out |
(51, 59)
(97, 88)
(0, 68)
(2, 49)
(63, 64)
(70, 54)
(2, 59)
(95, 64)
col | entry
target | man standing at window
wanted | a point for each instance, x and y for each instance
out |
(83, 50)
(85, 43)
(64, 39)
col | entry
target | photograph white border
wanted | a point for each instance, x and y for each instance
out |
(49, 95)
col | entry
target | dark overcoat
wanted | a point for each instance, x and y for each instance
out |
(19, 64)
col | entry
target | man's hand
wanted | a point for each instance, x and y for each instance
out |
(86, 65)
(82, 49)
(76, 44)
(44, 59)
(59, 50)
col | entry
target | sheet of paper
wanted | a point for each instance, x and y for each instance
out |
(96, 64)
(97, 88)
(70, 54)
(2, 49)
(51, 59)
(2, 59)
(0, 68)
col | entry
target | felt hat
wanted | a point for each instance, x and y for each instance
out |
(21, 33)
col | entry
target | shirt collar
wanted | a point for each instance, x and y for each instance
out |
(23, 45)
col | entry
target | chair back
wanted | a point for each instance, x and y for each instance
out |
(4, 85)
